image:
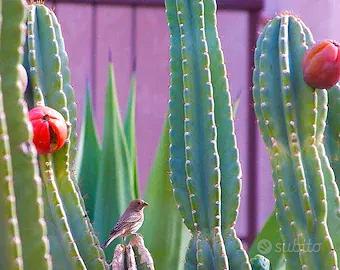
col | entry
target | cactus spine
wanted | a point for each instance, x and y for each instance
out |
(205, 171)
(292, 117)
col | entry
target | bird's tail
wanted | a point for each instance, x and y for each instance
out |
(109, 240)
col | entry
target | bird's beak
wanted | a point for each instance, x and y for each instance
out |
(145, 204)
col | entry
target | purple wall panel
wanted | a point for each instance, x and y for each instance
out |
(113, 32)
(76, 24)
(152, 84)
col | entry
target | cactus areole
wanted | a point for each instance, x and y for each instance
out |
(49, 129)
(321, 65)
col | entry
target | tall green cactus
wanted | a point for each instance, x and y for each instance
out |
(292, 118)
(205, 170)
(73, 245)
(19, 152)
(10, 246)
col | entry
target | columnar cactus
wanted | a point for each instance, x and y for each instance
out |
(204, 162)
(11, 253)
(23, 242)
(292, 116)
(73, 243)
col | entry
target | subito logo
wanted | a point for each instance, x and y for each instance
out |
(264, 246)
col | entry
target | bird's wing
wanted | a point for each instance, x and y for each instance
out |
(125, 221)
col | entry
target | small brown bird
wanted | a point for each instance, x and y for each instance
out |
(129, 222)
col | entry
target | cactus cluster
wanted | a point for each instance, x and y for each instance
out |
(45, 222)
(292, 119)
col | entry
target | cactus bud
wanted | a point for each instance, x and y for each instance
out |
(321, 65)
(49, 129)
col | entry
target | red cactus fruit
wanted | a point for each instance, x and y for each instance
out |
(321, 65)
(49, 129)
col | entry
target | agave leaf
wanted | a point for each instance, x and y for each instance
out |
(88, 157)
(130, 133)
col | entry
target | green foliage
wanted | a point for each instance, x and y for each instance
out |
(130, 129)
(88, 157)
